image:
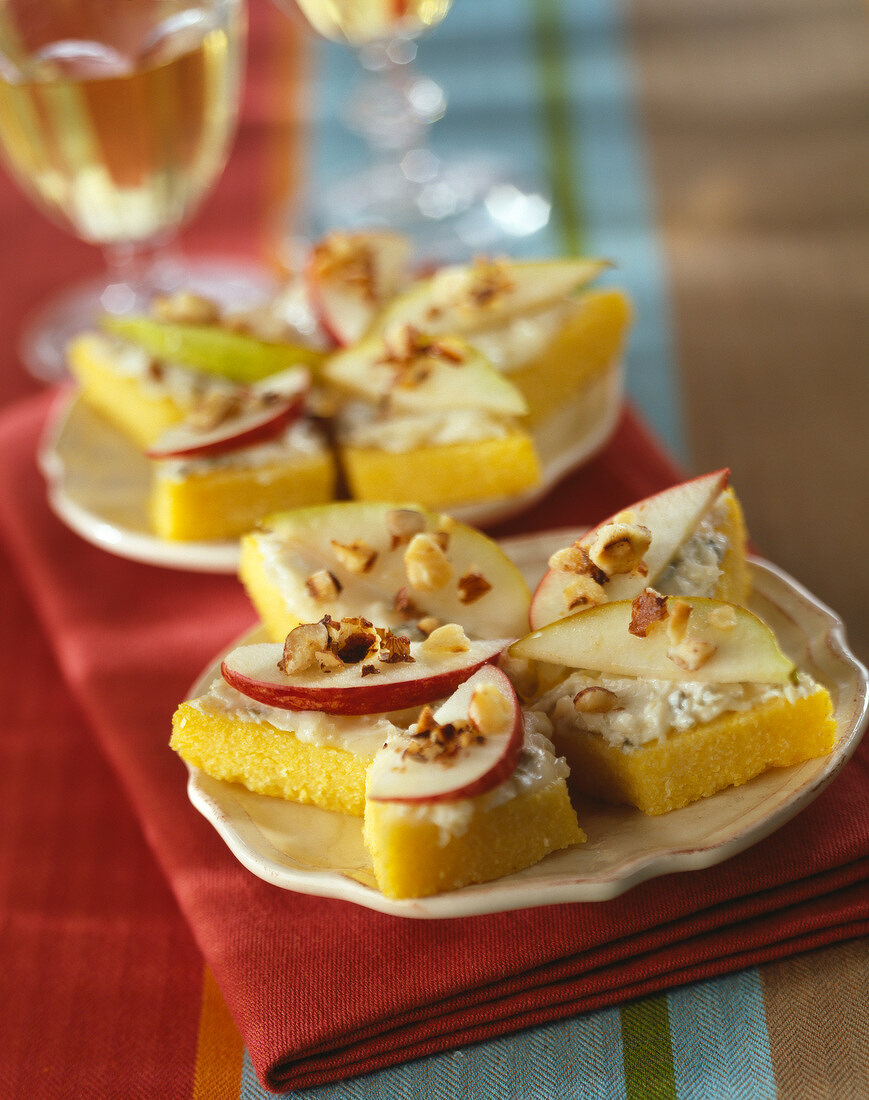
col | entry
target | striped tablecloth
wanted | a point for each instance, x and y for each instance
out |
(660, 128)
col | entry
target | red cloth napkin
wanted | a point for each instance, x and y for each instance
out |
(322, 989)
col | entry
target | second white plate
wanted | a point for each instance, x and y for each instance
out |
(98, 483)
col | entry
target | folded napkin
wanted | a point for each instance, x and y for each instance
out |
(322, 989)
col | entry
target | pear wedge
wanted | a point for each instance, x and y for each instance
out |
(212, 349)
(719, 643)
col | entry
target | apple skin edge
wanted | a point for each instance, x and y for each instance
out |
(363, 698)
(501, 770)
(257, 433)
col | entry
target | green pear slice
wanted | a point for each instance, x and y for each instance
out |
(210, 348)
(464, 298)
(291, 546)
(446, 375)
(741, 647)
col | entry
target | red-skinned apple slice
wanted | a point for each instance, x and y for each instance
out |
(671, 516)
(723, 644)
(265, 411)
(350, 276)
(253, 670)
(400, 775)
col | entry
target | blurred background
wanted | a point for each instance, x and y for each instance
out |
(718, 153)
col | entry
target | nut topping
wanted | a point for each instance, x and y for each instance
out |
(302, 645)
(449, 638)
(649, 608)
(575, 559)
(619, 548)
(323, 585)
(185, 307)
(691, 653)
(425, 563)
(472, 587)
(724, 617)
(583, 592)
(677, 626)
(402, 524)
(430, 740)
(393, 648)
(427, 625)
(214, 409)
(595, 700)
(489, 710)
(357, 556)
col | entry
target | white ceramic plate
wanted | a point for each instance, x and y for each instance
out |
(312, 851)
(98, 482)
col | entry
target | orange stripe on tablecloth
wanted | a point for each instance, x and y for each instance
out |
(219, 1047)
(284, 157)
(816, 1014)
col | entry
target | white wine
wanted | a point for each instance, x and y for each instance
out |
(358, 22)
(117, 136)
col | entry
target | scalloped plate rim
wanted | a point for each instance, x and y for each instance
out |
(512, 892)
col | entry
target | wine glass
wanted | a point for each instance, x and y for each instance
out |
(116, 117)
(451, 208)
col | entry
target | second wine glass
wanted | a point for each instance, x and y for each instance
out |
(449, 207)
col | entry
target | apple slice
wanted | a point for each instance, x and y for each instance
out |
(477, 586)
(350, 276)
(235, 422)
(671, 517)
(431, 674)
(423, 769)
(211, 348)
(416, 374)
(721, 643)
(463, 298)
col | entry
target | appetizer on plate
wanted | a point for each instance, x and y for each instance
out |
(400, 565)
(674, 699)
(445, 388)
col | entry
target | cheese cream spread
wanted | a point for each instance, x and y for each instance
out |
(363, 424)
(696, 569)
(300, 440)
(362, 736)
(649, 710)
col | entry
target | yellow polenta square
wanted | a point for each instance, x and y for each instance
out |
(414, 858)
(589, 343)
(227, 501)
(686, 766)
(444, 475)
(121, 398)
(269, 760)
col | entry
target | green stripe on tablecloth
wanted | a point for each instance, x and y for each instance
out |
(565, 177)
(647, 1052)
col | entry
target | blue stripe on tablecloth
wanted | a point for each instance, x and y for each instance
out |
(618, 214)
(579, 1059)
(719, 1038)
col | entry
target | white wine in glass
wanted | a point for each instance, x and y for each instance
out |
(116, 117)
(451, 208)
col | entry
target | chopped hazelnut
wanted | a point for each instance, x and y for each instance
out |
(489, 710)
(427, 624)
(619, 548)
(691, 653)
(185, 307)
(449, 638)
(393, 647)
(402, 524)
(323, 585)
(357, 556)
(472, 587)
(425, 563)
(583, 592)
(595, 700)
(723, 618)
(328, 661)
(677, 625)
(214, 408)
(302, 645)
(649, 608)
